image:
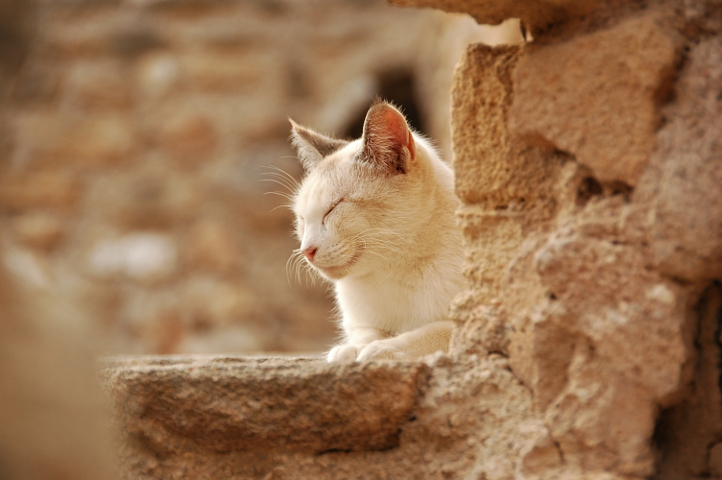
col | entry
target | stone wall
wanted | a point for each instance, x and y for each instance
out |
(141, 134)
(591, 173)
(590, 169)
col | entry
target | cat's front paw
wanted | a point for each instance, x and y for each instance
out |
(380, 350)
(343, 354)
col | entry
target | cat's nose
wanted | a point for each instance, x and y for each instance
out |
(310, 252)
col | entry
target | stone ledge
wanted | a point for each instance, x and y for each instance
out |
(174, 404)
(534, 13)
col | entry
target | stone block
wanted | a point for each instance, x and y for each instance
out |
(579, 350)
(25, 191)
(157, 75)
(597, 95)
(210, 245)
(492, 167)
(230, 404)
(584, 278)
(98, 85)
(492, 237)
(682, 187)
(154, 197)
(188, 137)
(41, 230)
(76, 141)
(208, 303)
(227, 73)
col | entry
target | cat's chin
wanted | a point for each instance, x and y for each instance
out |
(340, 271)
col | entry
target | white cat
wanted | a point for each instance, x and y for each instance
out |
(375, 216)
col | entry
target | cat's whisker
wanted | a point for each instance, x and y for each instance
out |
(283, 205)
(301, 266)
(280, 194)
(281, 173)
(280, 180)
(311, 275)
(285, 189)
(291, 262)
(290, 188)
(297, 265)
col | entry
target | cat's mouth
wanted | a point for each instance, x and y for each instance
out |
(339, 271)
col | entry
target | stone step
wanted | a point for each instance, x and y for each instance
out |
(168, 405)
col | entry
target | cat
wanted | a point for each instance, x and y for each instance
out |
(376, 217)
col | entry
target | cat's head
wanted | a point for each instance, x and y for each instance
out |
(356, 204)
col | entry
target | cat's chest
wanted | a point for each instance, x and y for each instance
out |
(389, 305)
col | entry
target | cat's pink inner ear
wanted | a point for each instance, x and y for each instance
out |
(388, 123)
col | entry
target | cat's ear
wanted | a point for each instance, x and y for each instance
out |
(311, 146)
(387, 139)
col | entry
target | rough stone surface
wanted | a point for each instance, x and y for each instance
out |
(687, 431)
(436, 429)
(224, 404)
(593, 286)
(559, 101)
(684, 226)
(532, 13)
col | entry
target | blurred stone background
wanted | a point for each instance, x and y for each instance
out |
(139, 135)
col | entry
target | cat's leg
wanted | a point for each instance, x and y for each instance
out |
(410, 345)
(356, 339)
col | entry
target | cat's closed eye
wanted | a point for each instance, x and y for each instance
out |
(333, 206)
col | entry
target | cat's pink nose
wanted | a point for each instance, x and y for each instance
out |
(310, 252)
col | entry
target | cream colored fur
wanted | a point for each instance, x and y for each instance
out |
(379, 212)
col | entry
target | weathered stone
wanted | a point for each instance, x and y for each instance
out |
(151, 198)
(22, 192)
(503, 174)
(139, 256)
(602, 341)
(687, 430)
(189, 138)
(444, 432)
(225, 73)
(95, 85)
(158, 74)
(507, 186)
(596, 95)
(39, 229)
(602, 324)
(715, 460)
(76, 141)
(538, 452)
(230, 404)
(38, 83)
(534, 14)
(209, 303)
(683, 183)
(211, 246)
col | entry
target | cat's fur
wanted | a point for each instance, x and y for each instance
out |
(375, 216)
